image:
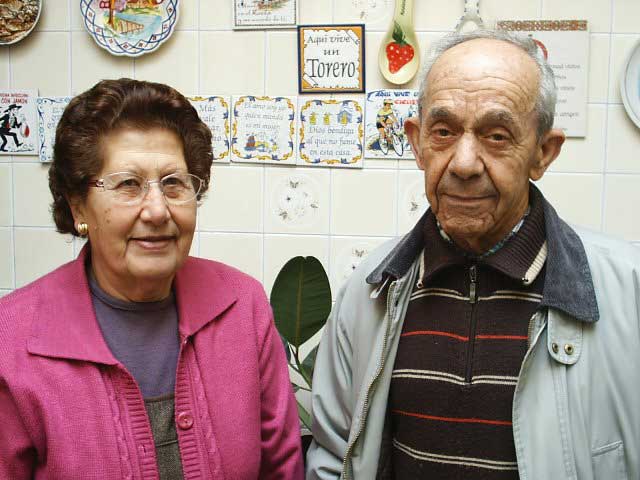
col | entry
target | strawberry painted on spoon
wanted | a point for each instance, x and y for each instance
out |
(399, 57)
(399, 52)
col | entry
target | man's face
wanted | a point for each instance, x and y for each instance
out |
(476, 140)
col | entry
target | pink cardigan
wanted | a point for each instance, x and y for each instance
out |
(69, 410)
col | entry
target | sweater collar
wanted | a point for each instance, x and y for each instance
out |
(64, 323)
(514, 258)
(567, 285)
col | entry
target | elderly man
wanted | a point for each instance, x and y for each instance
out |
(493, 341)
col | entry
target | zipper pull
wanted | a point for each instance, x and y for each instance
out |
(472, 285)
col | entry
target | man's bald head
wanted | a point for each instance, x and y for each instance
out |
(546, 96)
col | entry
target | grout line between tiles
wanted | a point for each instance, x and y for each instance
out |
(330, 234)
(13, 189)
(70, 50)
(199, 84)
(603, 199)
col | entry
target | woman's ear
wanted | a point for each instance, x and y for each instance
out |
(76, 205)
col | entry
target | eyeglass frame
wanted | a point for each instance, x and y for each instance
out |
(99, 183)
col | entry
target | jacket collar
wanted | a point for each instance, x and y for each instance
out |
(64, 323)
(567, 285)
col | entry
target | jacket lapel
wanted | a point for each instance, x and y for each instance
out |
(202, 293)
(64, 323)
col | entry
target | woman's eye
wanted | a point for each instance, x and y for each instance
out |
(128, 183)
(173, 182)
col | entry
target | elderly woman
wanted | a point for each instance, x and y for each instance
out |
(136, 361)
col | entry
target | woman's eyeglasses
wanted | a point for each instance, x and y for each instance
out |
(129, 188)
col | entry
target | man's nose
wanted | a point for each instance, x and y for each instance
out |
(154, 205)
(467, 161)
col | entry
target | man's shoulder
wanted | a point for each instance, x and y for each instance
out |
(357, 285)
(604, 247)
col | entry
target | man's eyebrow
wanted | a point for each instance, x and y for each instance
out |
(499, 117)
(441, 113)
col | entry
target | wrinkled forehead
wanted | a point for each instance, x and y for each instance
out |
(485, 65)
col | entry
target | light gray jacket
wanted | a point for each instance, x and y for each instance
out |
(576, 407)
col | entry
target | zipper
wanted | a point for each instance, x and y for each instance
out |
(530, 329)
(365, 406)
(517, 440)
(473, 286)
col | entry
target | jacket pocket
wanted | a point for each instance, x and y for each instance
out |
(609, 462)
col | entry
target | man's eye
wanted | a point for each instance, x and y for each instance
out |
(498, 137)
(443, 132)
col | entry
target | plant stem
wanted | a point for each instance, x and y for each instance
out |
(299, 368)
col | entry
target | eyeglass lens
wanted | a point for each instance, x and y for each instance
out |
(129, 188)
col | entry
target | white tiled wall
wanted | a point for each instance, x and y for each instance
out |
(595, 183)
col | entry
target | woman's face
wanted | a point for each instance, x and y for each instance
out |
(137, 249)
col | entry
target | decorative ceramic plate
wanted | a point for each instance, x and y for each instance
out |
(129, 27)
(630, 85)
(17, 19)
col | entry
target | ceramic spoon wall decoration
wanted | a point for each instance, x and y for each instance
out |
(399, 57)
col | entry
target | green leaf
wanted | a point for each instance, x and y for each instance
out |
(301, 299)
(305, 417)
(309, 362)
(398, 34)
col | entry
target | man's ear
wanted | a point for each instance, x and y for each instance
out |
(412, 129)
(547, 151)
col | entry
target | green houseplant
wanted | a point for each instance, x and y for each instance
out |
(301, 303)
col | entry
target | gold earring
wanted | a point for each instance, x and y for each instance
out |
(82, 229)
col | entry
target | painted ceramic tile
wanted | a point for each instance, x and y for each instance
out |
(263, 129)
(386, 111)
(331, 59)
(348, 258)
(129, 27)
(331, 133)
(18, 122)
(415, 201)
(295, 201)
(265, 13)
(49, 112)
(17, 19)
(370, 11)
(214, 111)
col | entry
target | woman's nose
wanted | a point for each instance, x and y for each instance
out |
(154, 205)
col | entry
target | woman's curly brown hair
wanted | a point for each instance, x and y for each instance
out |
(108, 106)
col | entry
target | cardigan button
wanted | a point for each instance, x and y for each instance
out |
(185, 420)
